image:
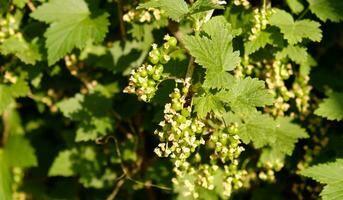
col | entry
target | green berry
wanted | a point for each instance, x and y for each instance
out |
(143, 73)
(156, 77)
(185, 113)
(172, 41)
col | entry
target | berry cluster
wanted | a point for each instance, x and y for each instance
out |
(261, 20)
(144, 81)
(142, 16)
(8, 27)
(244, 3)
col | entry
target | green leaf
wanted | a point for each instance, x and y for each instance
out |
(91, 111)
(19, 152)
(263, 38)
(63, 164)
(203, 5)
(214, 51)
(5, 97)
(296, 53)
(214, 79)
(332, 107)
(330, 174)
(175, 9)
(295, 5)
(257, 128)
(261, 129)
(247, 93)
(206, 104)
(5, 178)
(295, 31)
(20, 3)
(26, 52)
(327, 9)
(287, 134)
(71, 26)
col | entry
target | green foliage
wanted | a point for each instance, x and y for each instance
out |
(332, 107)
(327, 9)
(330, 174)
(176, 10)
(71, 26)
(170, 99)
(295, 31)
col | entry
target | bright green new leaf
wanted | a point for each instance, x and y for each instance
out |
(247, 94)
(19, 152)
(332, 107)
(206, 104)
(203, 5)
(20, 3)
(257, 128)
(295, 5)
(5, 97)
(214, 51)
(63, 164)
(26, 52)
(175, 9)
(263, 38)
(218, 80)
(71, 26)
(287, 135)
(296, 31)
(327, 9)
(330, 174)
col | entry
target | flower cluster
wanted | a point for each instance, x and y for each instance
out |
(261, 20)
(244, 3)
(149, 15)
(8, 27)
(144, 81)
(182, 135)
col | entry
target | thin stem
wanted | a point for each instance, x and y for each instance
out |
(303, 13)
(31, 5)
(6, 129)
(121, 21)
(190, 68)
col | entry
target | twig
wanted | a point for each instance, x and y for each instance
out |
(6, 128)
(121, 21)
(190, 68)
(303, 13)
(31, 5)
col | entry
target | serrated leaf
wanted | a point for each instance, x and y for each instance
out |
(262, 39)
(203, 5)
(214, 51)
(257, 128)
(247, 94)
(63, 164)
(92, 111)
(295, 53)
(19, 152)
(26, 52)
(295, 31)
(71, 26)
(295, 5)
(175, 9)
(214, 79)
(262, 130)
(287, 135)
(5, 97)
(332, 107)
(327, 9)
(206, 104)
(330, 174)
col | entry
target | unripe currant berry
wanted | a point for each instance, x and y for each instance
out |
(185, 113)
(172, 41)
(177, 106)
(143, 73)
(156, 77)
